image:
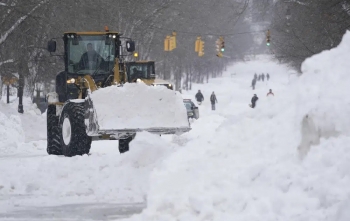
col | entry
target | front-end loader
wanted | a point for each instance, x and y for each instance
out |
(93, 62)
(144, 71)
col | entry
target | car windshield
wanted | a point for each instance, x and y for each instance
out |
(91, 55)
(188, 106)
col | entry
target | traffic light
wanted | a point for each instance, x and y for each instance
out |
(268, 41)
(173, 35)
(196, 44)
(201, 48)
(170, 42)
(222, 47)
(166, 43)
(268, 38)
(218, 45)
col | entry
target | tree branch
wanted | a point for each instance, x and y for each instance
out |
(19, 21)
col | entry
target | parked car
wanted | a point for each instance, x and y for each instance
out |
(160, 82)
(192, 109)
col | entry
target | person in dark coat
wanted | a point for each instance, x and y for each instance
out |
(199, 97)
(90, 60)
(253, 83)
(267, 76)
(213, 100)
(254, 100)
(255, 76)
(259, 77)
(262, 77)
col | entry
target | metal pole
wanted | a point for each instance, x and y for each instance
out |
(20, 93)
(8, 93)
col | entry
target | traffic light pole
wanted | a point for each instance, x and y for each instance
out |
(8, 93)
(20, 93)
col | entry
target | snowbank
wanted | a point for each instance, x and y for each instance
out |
(11, 133)
(138, 106)
(33, 123)
(241, 164)
(104, 176)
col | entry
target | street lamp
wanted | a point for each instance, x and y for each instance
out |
(288, 14)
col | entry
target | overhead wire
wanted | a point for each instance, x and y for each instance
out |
(205, 34)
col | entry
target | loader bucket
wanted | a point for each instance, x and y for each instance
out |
(121, 111)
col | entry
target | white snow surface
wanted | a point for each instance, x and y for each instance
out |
(288, 159)
(138, 106)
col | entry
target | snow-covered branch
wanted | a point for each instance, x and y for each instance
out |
(18, 22)
(296, 1)
(7, 61)
(2, 4)
(346, 7)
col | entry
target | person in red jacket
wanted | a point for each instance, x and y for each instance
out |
(270, 93)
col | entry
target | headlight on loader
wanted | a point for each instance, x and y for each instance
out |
(71, 81)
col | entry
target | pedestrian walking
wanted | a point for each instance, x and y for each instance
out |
(199, 97)
(254, 100)
(253, 83)
(213, 100)
(267, 77)
(262, 77)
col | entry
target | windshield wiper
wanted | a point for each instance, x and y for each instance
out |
(99, 67)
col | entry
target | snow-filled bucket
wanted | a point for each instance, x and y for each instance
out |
(134, 108)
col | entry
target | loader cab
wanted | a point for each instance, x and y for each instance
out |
(91, 53)
(140, 71)
(93, 57)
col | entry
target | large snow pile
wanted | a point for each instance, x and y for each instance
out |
(239, 163)
(326, 82)
(138, 106)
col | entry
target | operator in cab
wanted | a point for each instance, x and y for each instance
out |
(136, 74)
(90, 59)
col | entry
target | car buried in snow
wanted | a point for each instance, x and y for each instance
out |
(163, 83)
(192, 109)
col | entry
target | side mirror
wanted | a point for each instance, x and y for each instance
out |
(51, 46)
(130, 46)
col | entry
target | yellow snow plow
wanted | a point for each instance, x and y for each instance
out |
(93, 102)
(144, 71)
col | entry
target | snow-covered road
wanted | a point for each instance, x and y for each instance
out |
(287, 159)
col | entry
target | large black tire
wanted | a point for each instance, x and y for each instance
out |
(74, 139)
(53, 133)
